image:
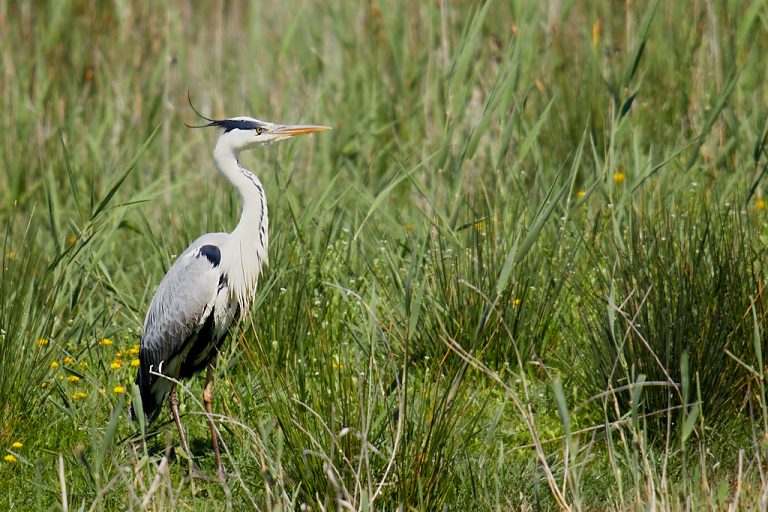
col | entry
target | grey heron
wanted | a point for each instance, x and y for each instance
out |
(210, 285)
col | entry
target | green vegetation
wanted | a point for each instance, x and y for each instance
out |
(525, 270)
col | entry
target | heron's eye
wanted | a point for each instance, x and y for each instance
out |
(258, 130)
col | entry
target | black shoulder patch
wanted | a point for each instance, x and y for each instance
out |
(212, 254)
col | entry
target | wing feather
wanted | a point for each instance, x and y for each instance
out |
(180, 311)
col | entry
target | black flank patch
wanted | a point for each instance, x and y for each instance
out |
(202, 343)
(212, 254)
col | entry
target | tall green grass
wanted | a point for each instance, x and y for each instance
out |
(524, 271)
(653, 327)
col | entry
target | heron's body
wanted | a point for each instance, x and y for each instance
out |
(211, 284)
(204, 291)
(179, 341)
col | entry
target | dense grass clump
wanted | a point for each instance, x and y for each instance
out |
(525, 270)
(677, 321)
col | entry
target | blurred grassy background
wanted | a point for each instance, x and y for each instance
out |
(524, 271)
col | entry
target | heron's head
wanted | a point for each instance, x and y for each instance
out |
(242, 133)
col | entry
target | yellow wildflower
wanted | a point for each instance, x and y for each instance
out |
(135, 363)
(78, 395)
(119, 390)
(760, 203)
(71, 239)
(61, 377)
(580, 194)
(83, 364)
(45, 385)
(618, 177)
(68, 360)
(596, 30)
(10, 458)
(116, 364)
(119, 353)
(133, 351)
(54, 364)
(73, 378)
(42, 342)
(17, 445)
(105, 342)
(516, 302)
(11, 255)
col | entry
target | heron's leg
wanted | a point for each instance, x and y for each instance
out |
(207, 402)
(193, 472)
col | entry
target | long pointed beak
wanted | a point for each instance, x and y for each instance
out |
(299, 129)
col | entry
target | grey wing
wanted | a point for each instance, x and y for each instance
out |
(180, 311)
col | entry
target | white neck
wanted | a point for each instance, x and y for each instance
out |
(246, 250)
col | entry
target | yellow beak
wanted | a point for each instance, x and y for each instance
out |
(299, 129)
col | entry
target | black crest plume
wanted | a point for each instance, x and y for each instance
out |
(227, 124)
(211, 122)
